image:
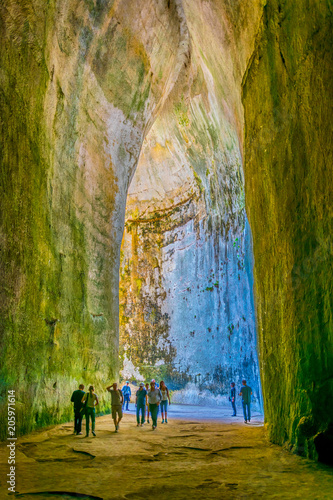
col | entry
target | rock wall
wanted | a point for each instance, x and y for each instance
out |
(80, 84)
(287, 96)
(186, 300)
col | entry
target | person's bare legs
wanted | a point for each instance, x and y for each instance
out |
(118, 422)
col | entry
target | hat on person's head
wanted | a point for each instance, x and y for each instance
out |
(127, 382)
(153, 380)
(141, 384)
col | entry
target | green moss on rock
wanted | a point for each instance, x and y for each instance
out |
(287, 92)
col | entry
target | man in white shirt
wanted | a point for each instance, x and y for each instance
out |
(154, 399)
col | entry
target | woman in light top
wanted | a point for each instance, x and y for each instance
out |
(164, 403)
(91, 400)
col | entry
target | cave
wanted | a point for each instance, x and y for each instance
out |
(166, 201)
(186, 267)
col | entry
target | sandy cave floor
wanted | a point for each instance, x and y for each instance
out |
(202, 453)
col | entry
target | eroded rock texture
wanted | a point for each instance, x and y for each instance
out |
(287, 95)
(186, 276)
(84, 85)
(80, 84)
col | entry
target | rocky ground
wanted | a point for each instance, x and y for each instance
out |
(202, 453)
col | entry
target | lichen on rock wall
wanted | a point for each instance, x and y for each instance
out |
(287, 96)
(89, 87)
(80, 83)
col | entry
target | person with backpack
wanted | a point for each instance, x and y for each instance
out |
(164, 403)
(78, 405)
(91, 400)
(117, 400)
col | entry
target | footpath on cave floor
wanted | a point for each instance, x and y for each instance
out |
(202, 453)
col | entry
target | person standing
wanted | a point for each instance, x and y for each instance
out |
(164, 403)
(78, 414)
(154, 399)
(140, 401)
(246, 393)
(117, 400)
(91, 400)
(232, 398)
(147, 404)
(127, 393)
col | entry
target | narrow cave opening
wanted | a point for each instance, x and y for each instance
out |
(186, 268)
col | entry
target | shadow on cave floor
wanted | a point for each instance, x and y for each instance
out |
(189, 458)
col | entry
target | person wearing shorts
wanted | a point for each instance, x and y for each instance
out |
(164, 403)
(117, 400)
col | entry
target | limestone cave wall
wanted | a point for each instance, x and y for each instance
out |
(287, 96)
(186, 294)
(84, 85)
(80, 83)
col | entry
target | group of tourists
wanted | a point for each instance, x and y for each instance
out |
(148, 400)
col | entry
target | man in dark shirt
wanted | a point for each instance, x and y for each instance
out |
(232, 398)
(78, 405)
(246, 392)
(141, 404)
